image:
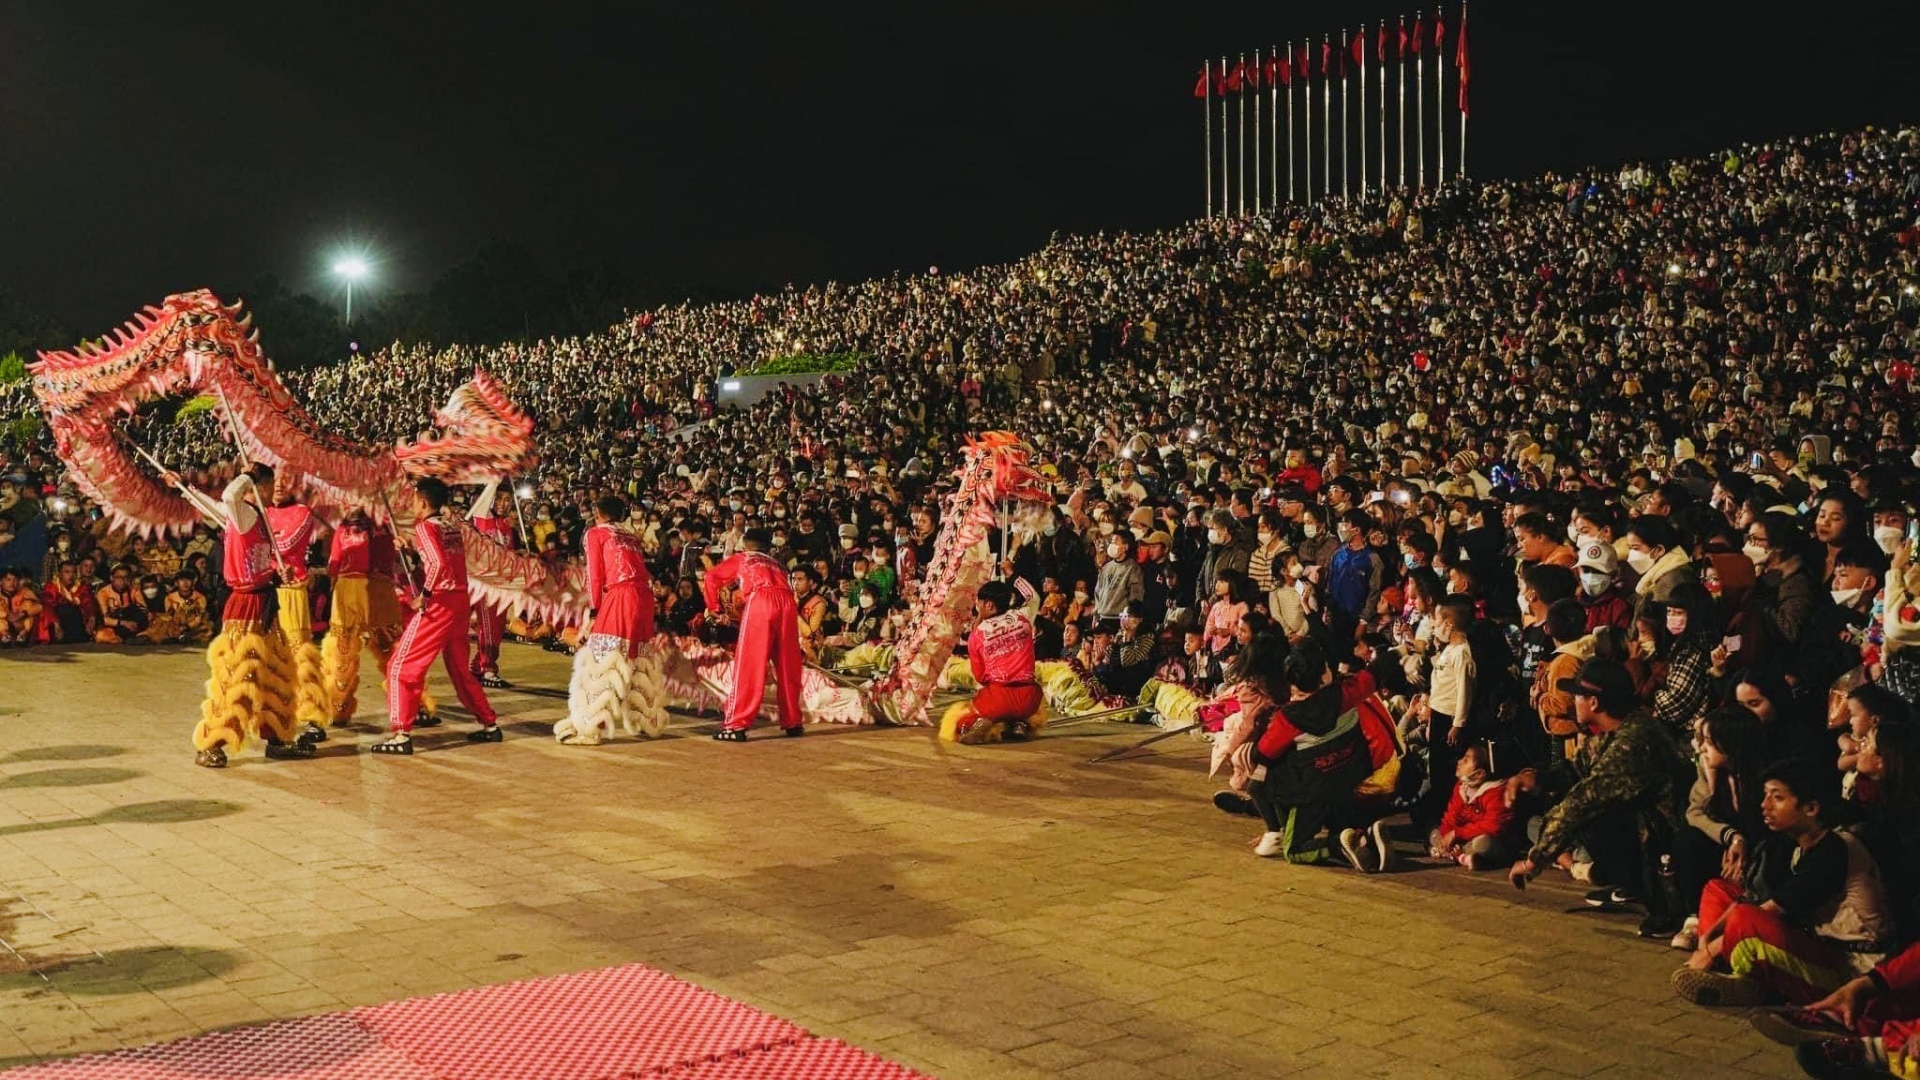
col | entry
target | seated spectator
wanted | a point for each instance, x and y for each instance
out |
(1625, 805)
(1229, 603)
(67, 613)
(1477, 828)
(1811, 915)
(1311, 748)
(1125, 665)
(19, 609)
(1723, 811)
(186, 608)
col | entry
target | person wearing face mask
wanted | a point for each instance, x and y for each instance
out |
(1225, 551)
(1121, 580)
(1656, 554)
(1788, 595)
(1270, 541)
(1599, 596)
(1355, 576)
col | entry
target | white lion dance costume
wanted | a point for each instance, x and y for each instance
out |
(617, 682)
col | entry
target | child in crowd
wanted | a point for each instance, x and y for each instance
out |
(1812, 913)
(1475, 829)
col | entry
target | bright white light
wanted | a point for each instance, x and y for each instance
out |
(525, 491)
(1909, 290)
(1193, 434)
(731, 385)
(351, 267)
(1674, 269)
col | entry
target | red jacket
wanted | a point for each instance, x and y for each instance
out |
(1486, 814)
(1305, 475)
(1000, 650)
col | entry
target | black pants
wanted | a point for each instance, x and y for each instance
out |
(1613, 839)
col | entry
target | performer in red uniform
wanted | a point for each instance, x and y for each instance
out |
(488, 624)
(366, 612)
(1000, 653)
(438, 629)
(250, 675)
(769, 630)
(294, 529)
(616, 675)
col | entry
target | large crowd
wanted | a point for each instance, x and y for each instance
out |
(1593, 495)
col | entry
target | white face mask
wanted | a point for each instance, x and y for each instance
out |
(779, 541)
(1595, 584)
(1106, 528)
(1408, 558)
(1265, 537)
(1116, 551)
(150, 592)
(1456, 519)
(1757, 553)
(1573, 532)
(1080, 595)
(1887, 536)
(846, 543)
(1344, 531)
(1846, 597)
(1215, 536)
(866, 602)
(1640, 561)
(1309, 530)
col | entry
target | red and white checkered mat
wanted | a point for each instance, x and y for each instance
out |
(628, 1021)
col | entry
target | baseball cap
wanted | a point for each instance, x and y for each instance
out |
(1158, 537)
(1604, 679)
(1597, 555)
(850, 530)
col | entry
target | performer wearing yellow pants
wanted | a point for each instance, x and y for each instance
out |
(250, 691)
(366, 612)
(293, 529)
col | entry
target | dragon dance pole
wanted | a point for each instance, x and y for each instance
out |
(259, 504)
(526, 541)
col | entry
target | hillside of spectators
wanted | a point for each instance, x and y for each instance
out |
(1604, 484)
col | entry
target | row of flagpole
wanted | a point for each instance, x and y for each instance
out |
(1277, 72)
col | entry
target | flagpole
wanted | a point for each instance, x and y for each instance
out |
(1420, 101)
(1400, 114)
(1226, 197)
(1440, 89)
(1345, 162)
(1290, 169)
(1380, 57)
(1206, 113)
(1273, 118)
(1309, 127)
(1256, 136)
(1243, 139)
(1326, 120)
(1460, 41)
(1363, 112)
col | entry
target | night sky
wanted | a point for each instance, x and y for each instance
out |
(152, 148)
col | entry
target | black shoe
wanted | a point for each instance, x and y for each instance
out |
(1235, 803)
(401, 743)
(1658, 926)
(314, 733)
(215, 758)
(279, 751)
(793, 732)
(1609, 898)
(730, 735)
(425, 719)
(494, 682)
(490, 733)
(1835, 1059)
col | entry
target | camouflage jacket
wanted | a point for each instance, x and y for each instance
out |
(1637, 767)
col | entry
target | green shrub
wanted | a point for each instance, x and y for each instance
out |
(807, 364)
(13, 369)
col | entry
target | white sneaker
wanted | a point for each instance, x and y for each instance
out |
(1271, 844)
(1382, 845)
(1353, 847)
(1688, 939)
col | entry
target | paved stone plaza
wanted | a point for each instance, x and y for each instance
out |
(970, 912)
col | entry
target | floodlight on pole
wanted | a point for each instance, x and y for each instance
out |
(351, 268)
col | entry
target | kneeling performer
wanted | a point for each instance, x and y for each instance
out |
(616, 674)
(1000, 652)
